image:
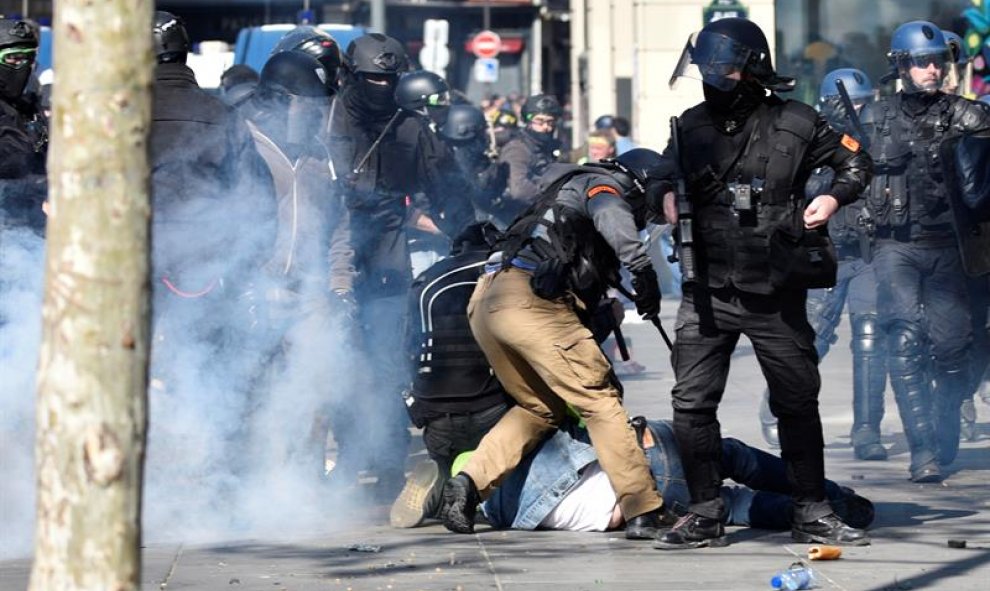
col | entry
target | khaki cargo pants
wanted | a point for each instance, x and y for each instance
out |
(545, 358)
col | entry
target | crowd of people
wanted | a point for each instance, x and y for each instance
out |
(344, 226)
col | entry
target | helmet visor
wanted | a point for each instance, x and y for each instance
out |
(923, 70)
(714, 59)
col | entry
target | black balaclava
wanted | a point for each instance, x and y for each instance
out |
(380, 98)
(736, 104)
(543, 138)
(13, 81)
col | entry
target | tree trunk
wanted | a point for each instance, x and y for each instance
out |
(93, 370)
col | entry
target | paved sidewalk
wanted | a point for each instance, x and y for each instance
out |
(909, 548)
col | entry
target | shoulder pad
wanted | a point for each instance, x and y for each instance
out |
(968, 115)
(797, 118)
(594, 184)
(696, 116)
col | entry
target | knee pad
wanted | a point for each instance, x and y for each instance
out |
(867, 339)
(906, 340)
(824, 318)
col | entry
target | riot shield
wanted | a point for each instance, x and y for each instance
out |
(966, 169)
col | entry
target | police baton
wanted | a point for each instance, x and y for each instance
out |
(655, 320)
(851, 113)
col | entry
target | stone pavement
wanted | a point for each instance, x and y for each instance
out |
(914, 522)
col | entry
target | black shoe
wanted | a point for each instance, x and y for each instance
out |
(692, 531)
(829, 530)
(460, 504)
(647, 525)
(927, 474)
(420, 498)
(854, 510)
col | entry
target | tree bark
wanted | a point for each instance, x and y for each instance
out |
(93, 369)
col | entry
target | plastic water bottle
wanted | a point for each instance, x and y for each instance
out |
(796, 577)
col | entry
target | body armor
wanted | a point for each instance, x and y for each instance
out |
(743, 186)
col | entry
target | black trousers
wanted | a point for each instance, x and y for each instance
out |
(448, 436)
(709, 323)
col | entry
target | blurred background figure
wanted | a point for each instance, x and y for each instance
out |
(530, 153)
(23, 130)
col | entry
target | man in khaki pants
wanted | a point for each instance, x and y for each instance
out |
(555, 262)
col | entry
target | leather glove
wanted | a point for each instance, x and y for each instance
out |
(647, 293)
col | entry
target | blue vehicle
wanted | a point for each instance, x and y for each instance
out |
(44, 60)
(254, 44)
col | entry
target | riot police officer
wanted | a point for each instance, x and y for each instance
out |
(381, 158)
(922, 289)
(530, 152)
(23, 130)
(756, 248)
(856, 286)
(553, 265)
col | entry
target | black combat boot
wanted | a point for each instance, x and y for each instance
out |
(648, 525)
(869, 382)
(768, 422)
(460, 504)
(693, 531)
(829, 530)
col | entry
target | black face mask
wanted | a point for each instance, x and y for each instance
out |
(737, 103)
(13, 81)
(543, 138)
(378, 97)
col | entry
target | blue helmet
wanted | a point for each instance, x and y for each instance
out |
(860, 91)
(857, 84)
(919, 44)
(957, 47)
(984, 99)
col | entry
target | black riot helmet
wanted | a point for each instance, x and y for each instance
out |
(726, 50)
(375, 53)
(295, 73)
(319, 44)
(631, 168)
(171, 39)
(541, 104)
(293, 99)
(420, 90)
(465, 123)
(18, 50)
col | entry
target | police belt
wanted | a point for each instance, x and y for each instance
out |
(913, 232)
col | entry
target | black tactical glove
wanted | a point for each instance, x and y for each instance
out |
(647, 293)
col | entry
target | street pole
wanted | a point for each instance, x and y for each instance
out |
(378, 16)
(536, 46)
(487, 15)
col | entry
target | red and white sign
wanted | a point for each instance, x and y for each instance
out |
(486, 44)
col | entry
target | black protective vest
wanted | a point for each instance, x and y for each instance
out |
(587, 262)
(907, 196)
(732, 246)
(452, 373)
